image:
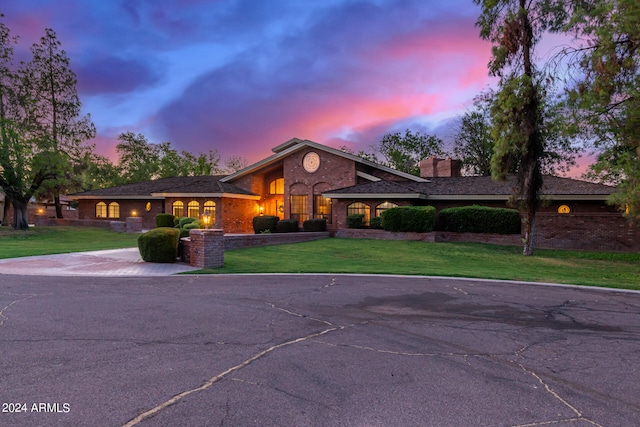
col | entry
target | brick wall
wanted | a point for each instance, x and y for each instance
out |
(88, 210)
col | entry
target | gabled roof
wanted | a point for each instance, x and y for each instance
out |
(473, 187)
(183, 186)
(296, 144)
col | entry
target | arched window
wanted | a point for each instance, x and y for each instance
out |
(114, 210)
(210, 208)
(193, 209)
(360, 208)
(101, 210)
(276, 186)
(177, 208)
(384, 206)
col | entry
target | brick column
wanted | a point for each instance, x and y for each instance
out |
(206, 248)
(134, 224)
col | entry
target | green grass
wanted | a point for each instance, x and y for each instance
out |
(57, 240)
(609, 269)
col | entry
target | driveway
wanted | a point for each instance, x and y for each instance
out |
(315, 350)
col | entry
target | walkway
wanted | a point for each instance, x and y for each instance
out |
(112, 262)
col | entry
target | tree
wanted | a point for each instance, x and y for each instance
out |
(515, 26)
(404, 152)
(474, 145)
(26, 160)
(605, 95)
(235, 163)
(54, 109)
(138, 160)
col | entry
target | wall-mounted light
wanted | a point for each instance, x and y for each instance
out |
(261, 210)
(134, 213)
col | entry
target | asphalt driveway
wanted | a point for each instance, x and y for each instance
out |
(315, 350)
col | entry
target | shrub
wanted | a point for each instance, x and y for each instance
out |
(191, 225)
(159, 245)
(480, 219)
(176, 221)
(355, 221)
(287, 226)
(164, 220)
(375, 222)
(265, 222)
(315, 224)
(186, 220)
(183, 233)
(418, 219)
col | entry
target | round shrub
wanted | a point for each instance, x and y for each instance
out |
(159, 244)
(480, 219)
(355, 221)
(186, 220)
(287, 226)
(265, 224)
(315, 224)
(192, 225)
(375, 222)
(164, 220)
(417, 219)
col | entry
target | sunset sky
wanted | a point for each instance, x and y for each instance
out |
(243, 76)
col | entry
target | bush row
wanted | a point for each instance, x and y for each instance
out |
(474, 219)
(480, 219)
(273, 224)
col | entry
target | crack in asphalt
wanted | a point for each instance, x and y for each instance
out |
(153, 411)
(2, 316)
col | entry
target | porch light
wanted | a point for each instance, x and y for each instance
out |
(206, 219)
(134, 213)
(40, 211)
(261, 210)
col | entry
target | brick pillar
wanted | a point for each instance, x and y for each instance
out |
(206, 248)
(134, 224)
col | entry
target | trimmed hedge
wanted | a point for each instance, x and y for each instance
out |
(480, 219)
(418, 219)
(159, 244)
(186, 220)
(355, 221)
(375, 222)
(191, 225)
(315, 224)
(288, 226)
(265, 223)
(164, 220)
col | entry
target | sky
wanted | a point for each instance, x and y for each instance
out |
(243, 76)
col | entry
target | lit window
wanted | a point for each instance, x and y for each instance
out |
(178, 208)
(101, 210)
(322, 208)
(210, 208)
(564, 209)
(276, 186)
(147, 207)
(359, 208)
(114, 210)
(384, 206)
(193, 209)
(299, 208)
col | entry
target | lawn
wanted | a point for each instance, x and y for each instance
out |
(57, 240)
(609, 269)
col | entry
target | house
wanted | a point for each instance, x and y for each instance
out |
(304, 179)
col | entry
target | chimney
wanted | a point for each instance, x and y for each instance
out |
(434, 167)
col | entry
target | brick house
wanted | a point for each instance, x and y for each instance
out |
(304, 179)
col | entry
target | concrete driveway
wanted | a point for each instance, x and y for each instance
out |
(315, 350)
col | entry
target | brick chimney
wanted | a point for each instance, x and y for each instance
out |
(434, 167)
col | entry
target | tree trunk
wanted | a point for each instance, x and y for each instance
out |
(529, 234)
(20, 218)
(5, 213)
(56, 199)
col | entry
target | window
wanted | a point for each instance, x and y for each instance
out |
(147, 207)
(114, 210)
(178, 208)
(299, 208)
(360, 208)
(322, 208)
(101, 210)
(276, 186)
(384, 206)
(193, 209)
(210, 208)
